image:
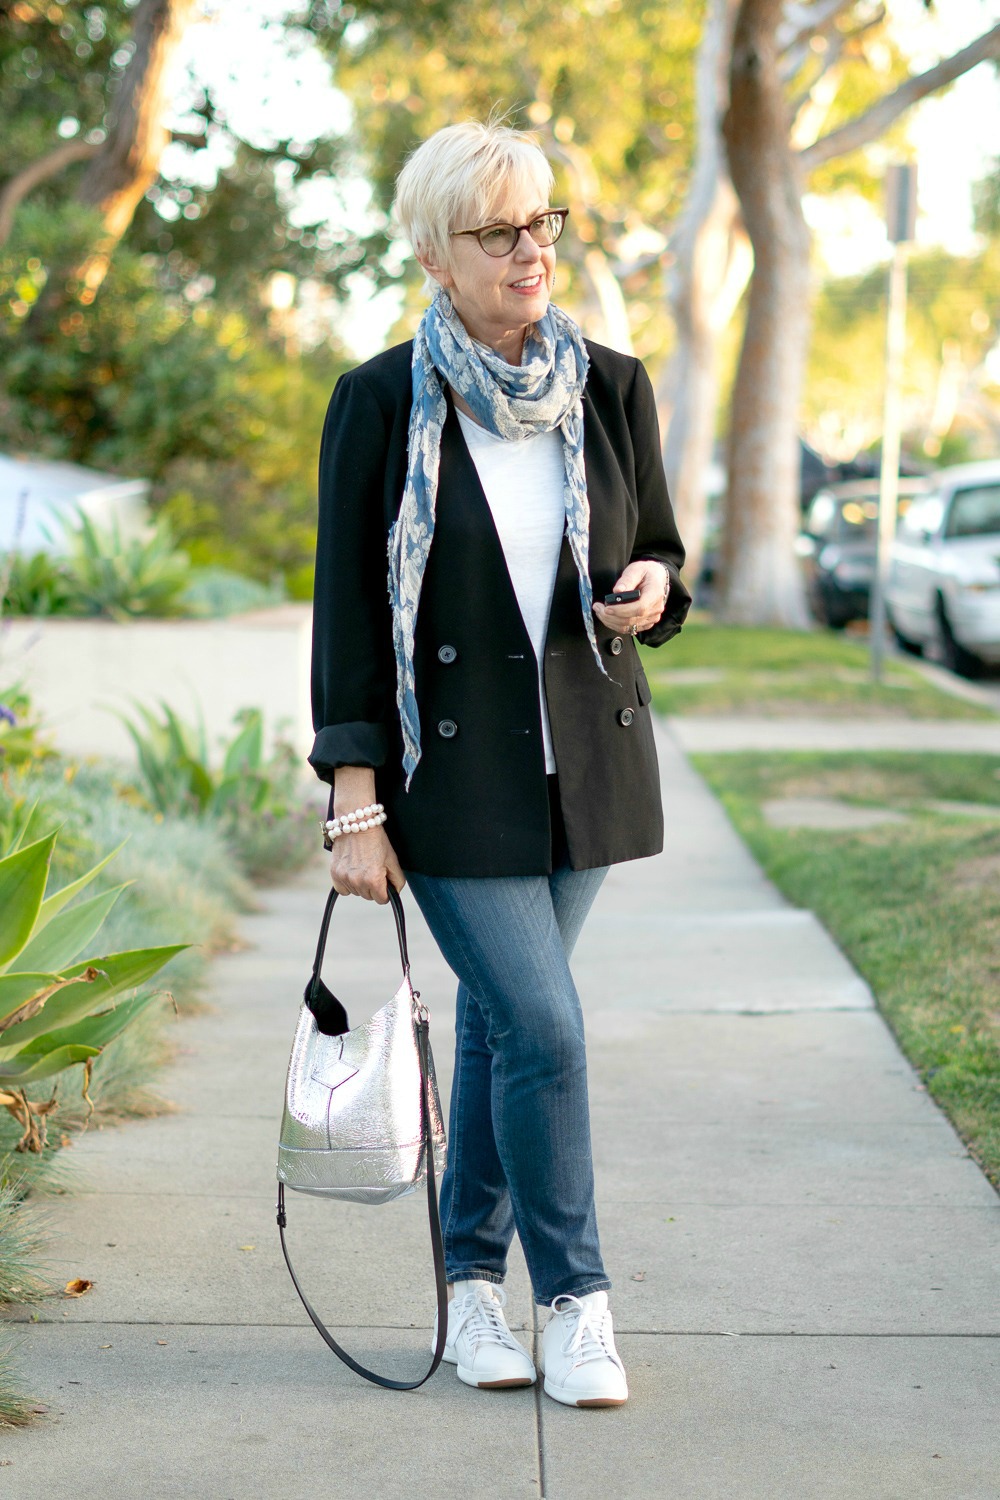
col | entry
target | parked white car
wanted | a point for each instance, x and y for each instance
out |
(944, 578)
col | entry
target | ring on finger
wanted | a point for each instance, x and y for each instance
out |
(634, 628)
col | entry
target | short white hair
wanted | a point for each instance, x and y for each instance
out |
(461, 177)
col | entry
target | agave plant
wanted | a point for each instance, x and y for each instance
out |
(35, 583)
(58, 1009)
(174, 763)
(120, 576)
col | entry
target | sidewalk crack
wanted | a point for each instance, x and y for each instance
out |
(536, 1338)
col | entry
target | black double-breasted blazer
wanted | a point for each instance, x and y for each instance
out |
(478, 802)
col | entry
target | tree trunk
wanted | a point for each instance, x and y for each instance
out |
(127, 162)
(706, 286)
(609, 300)
(761, 583)
(616, 329)
(710, 266)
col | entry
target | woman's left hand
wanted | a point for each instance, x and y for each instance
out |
(653, 582)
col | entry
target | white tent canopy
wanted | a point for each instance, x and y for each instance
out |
(37, 494)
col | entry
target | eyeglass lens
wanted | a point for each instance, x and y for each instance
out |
(500, 239)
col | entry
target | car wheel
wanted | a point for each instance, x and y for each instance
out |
(954, 655)
(825, 614)
(913, 648)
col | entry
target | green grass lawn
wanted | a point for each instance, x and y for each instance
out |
(915, 906)
(788, 673)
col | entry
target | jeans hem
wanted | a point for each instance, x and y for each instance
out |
(495, 1278)
(601, 1284)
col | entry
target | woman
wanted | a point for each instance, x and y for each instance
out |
(508, 473)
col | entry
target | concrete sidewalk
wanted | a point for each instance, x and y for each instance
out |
(804, 1256)
(719, 733)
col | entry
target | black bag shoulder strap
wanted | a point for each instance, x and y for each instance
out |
(433, 1214)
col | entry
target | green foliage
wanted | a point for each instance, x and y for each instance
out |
(125, 578)
(120, 577)
(761, 671)
(56, 63)
(174, 371)
(608, 86)
(215, 592)
(35, 584)
(20, 733)
(55, 1009)
(252, 509)
(198, 399)
(20, 1248)
(952, 316)
(986, 202)
(174, 760)
(255, 799)
(179, 874)
(16, 1407)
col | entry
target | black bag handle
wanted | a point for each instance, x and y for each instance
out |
(427, 1132)
(312, 990)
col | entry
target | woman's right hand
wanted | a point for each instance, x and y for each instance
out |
(362, 863)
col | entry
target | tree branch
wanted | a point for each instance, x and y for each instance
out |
(800, 25)
(873, 123)
(197, 141)
(830, 58)
(17, 188)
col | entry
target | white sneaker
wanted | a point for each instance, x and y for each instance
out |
(581, 1364)
(480, 1343)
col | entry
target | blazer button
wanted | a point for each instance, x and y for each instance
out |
(447, 728)
(617, 645)
(447, 654)
(625, 717)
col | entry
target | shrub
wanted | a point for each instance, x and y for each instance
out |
(256, 800)
(54, 1006)
(120, 577)
(215, 592)
(36, 584)
(20, 733)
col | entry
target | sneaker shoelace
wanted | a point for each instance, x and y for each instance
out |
(587, 1331)
(481, 1315)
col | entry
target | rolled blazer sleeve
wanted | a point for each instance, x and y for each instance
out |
(351, 615)
(656, 536)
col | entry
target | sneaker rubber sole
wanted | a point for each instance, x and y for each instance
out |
(566, 1398)
(468, 1377)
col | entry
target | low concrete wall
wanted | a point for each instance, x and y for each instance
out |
(75, 670)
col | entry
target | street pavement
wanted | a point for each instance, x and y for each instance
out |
(804, 1255)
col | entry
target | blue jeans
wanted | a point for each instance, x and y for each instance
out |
(519, 1130)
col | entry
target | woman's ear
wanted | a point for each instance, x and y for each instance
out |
(440, 274)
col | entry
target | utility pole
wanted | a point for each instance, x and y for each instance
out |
(901, 218)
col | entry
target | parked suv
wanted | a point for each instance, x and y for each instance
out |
(837, 546)
(944, 582)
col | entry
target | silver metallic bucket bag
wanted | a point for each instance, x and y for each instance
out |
(362, 1118)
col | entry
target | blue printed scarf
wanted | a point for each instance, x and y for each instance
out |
(512, 402)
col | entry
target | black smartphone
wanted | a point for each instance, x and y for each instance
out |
(627, 596)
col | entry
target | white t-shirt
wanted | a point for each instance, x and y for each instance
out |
(523, 483)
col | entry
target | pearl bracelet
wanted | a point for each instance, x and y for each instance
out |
(358, 821)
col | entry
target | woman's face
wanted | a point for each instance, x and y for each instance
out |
(496, 297)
